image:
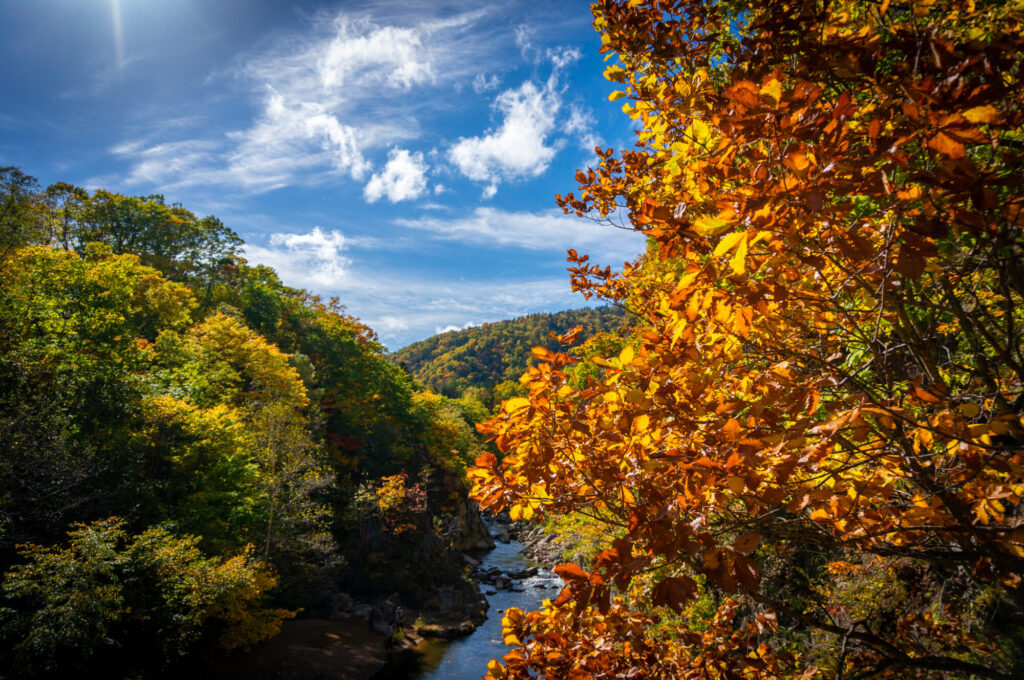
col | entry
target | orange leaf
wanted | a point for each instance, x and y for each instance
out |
(571, 572)
(947, 146)
(934, 394)
(744, 92)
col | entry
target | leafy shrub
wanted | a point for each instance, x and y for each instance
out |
(114, 601)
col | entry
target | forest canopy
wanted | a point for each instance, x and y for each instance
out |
(186, 439)
(810, 460)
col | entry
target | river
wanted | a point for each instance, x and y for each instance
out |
(466, 659)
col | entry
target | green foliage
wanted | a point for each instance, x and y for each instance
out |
(600, 345)
(168, 237)
(147, 372)
(74, 334)
(119, 600)
(488, 355)
(448, 429)
(20, 222)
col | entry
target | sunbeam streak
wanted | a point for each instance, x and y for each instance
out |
(115, 16)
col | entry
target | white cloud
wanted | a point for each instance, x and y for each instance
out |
(404, 178)
(549, 230)
(311, 260)
(358, 51)
(453, 327)
(517, 148)
(404, 307)
(563, 56)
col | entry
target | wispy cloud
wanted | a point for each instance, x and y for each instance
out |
(581, 123)
(482, 83)
(429, 305)
(548, 230)
(326, 101)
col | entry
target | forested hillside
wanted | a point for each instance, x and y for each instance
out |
(191, 450)
(486, 356)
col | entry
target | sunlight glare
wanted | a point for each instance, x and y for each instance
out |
(115, 15)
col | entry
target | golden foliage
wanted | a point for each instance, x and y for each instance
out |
(831, 353)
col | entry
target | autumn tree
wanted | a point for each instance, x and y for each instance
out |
(819, 430)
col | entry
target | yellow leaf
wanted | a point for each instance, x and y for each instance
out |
(981, 114)
(706, 225)
(820, 515)
(799, 161)
(699, 130)
(517, 403)
(626, 357)
(612, 72)
(728, 242)
(773, 90)
(641, 423)
(739, 260)
(617, 95)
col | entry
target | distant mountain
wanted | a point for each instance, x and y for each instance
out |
(485, 356)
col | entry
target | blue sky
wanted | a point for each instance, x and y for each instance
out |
(402, 156)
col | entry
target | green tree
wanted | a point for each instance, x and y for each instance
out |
(110, 602)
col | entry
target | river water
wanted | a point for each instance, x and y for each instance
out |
(466, 659)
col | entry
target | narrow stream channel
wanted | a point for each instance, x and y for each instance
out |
(466, 659)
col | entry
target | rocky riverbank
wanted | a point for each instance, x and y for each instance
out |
(345, 639)
(548, 549)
